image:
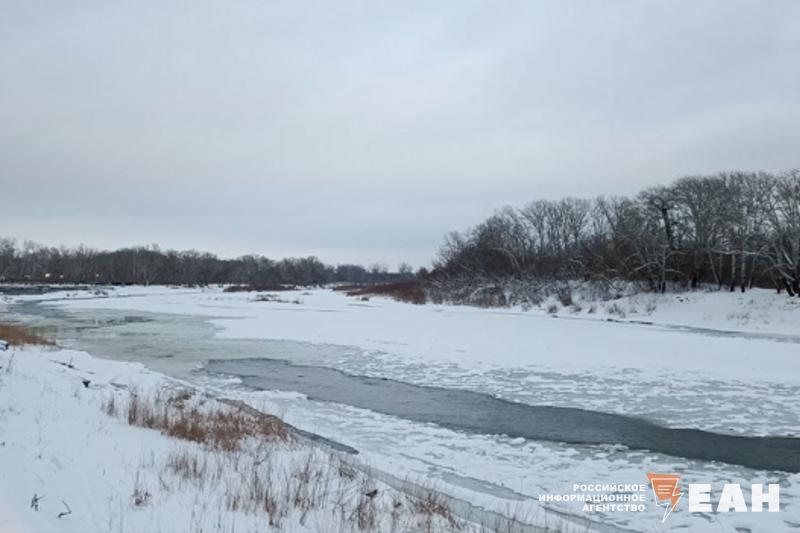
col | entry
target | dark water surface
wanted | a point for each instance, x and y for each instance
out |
(177, 345)
(475, 412)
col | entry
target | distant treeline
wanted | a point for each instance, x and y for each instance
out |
(148, 265)
(732, 229)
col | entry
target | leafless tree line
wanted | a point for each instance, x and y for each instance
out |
(733, 229)
(147, 265)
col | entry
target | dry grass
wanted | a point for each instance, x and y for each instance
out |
(431, 505)
(259, 287)
(221, 428)
(310, 488)
(406, 291)
(273, 298)
(17, 335)
(431, 511)
(244, 469)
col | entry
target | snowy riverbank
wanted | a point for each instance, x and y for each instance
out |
(71, 462)
(714, 361)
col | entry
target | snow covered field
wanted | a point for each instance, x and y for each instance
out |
(715, 361)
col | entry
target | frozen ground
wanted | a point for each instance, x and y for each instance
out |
(68, 465)
(716, 361)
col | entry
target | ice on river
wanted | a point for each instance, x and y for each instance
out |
(710, 374)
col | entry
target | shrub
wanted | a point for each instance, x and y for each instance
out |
(615, 309)
(259, 287)
(17, 335)
(406, 291)
(565, 296)
(221, 428)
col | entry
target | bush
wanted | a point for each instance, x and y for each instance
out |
(259, 287)
(565, 296)
(615, 309)
(17, 335)
(219, 428)
(406, 291)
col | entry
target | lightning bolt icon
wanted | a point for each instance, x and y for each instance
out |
(665, 491)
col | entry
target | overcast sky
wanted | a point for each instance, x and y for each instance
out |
(364, 131)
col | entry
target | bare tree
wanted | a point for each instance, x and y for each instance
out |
(738, 229)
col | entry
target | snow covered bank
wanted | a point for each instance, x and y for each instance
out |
(757, 311)
(70, 462)
(728, 381)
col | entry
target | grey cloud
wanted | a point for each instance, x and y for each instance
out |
(366, 130)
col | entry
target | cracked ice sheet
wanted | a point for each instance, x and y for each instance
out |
(680, 378)
(507, 475)
(677, 378)
(667, 397)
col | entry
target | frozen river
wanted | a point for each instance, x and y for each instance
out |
(498, 434)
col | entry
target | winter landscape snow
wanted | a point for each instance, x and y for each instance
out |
(399, 267)
(719, 362)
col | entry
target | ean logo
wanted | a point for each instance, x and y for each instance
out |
(665, 491)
